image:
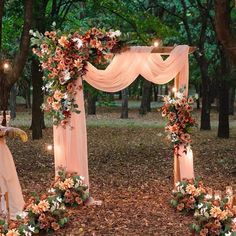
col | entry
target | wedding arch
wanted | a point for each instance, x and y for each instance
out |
(70, 142)
(68, 59)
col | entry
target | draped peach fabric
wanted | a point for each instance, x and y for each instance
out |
(127, 66)
(9, 181)
(70, 144)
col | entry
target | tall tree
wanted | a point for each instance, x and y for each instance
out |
(224, 27)
(44, 15)
(10, 75)
(36, 73)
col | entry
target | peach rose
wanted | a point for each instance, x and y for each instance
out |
(58, 95)
(49, 100)
(180, 207)
(56, 105)
(55, 226)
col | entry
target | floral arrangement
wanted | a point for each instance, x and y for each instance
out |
(70, 188)
(180, 121)
(214, 216)
(188, 194)
(63, 58)
(48, 212)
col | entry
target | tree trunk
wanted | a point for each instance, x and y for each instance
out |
(223, 27)
(206, 105)
(223, 127)
(155, 91)
(27, 95)
(5, 89)
(13, 94)
(92, 104)
(37, 114)
(231, 100)
(145, 102)
(124, 108)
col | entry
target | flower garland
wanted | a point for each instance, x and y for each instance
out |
(48, 212)
(213, 216)
(63, 58)
(178, 110)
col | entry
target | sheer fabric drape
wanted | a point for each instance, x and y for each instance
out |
(70, 144)
(127, 66)
(9, 181)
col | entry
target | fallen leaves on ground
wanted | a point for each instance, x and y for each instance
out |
(131, 171)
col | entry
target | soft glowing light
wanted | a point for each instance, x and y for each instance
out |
(174, 89)
(49, 147)
(156, 43)
(6, 65)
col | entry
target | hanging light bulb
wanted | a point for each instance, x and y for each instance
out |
(49, 147)
(156, 43)
(6, 65)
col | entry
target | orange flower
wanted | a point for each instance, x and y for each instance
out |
(56, 105)
(185, 137)
(13, 232)
(49, 100)
(78, 200)
(78, 63)
(215, 211)
(55, 226)
(203, 232)
(190, 189)
(180, 207)
(63, 41)
(174, 128)
(190, 100)
(69, 182)
(58, 95)
(42, 217)
(43, 205)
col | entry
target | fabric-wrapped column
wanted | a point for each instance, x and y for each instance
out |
(70, 142)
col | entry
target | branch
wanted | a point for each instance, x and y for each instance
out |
(21, 56)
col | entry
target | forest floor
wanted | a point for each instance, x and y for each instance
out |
(131, 172)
